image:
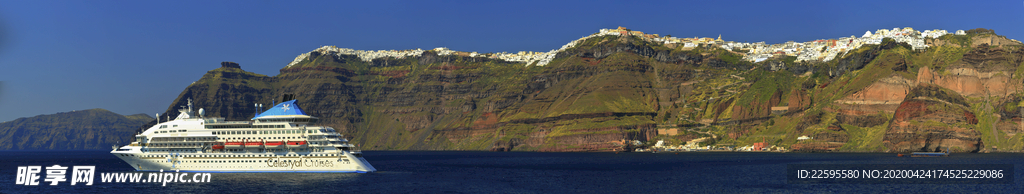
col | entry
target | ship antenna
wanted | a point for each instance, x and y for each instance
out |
(190, 105)
(157, 118)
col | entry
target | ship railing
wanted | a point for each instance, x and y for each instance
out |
(118, 145)
(174, 146)
(316, 138)
(182, 141)
(233, 122)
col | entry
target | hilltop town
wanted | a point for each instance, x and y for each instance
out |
(817, 50)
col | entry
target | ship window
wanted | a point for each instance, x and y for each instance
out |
(182, 130)
(163, 126)
(175, 126)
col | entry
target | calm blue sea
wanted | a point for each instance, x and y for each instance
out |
(524, 172)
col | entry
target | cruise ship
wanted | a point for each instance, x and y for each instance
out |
(280, 139)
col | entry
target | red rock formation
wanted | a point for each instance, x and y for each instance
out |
(889, 90)
(929, 121)
(599, 141)
(798, 100)
(862, 108)
(969, 82)
(983, 71)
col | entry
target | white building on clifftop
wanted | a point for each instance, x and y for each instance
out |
(817, 50)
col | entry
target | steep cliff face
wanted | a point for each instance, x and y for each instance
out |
(601, 104)
(933, 119)
(594, 97)
(610, 90)
(877, 99)
(886, 91)
(983, 71)
(76, 130)
(228, 92)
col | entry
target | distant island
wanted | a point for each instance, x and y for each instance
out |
(75, 130)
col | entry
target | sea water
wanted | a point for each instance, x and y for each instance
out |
(521, 172)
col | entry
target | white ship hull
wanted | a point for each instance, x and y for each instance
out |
(246, 162)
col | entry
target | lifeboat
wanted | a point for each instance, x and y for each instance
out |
(218, 147)
(296, 144)
(236, 144)
(274, 144)
(253, 144)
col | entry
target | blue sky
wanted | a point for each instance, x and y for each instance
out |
(137, 56)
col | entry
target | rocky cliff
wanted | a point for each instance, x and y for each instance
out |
(932, 119)
(608, 91)
(76, 130)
